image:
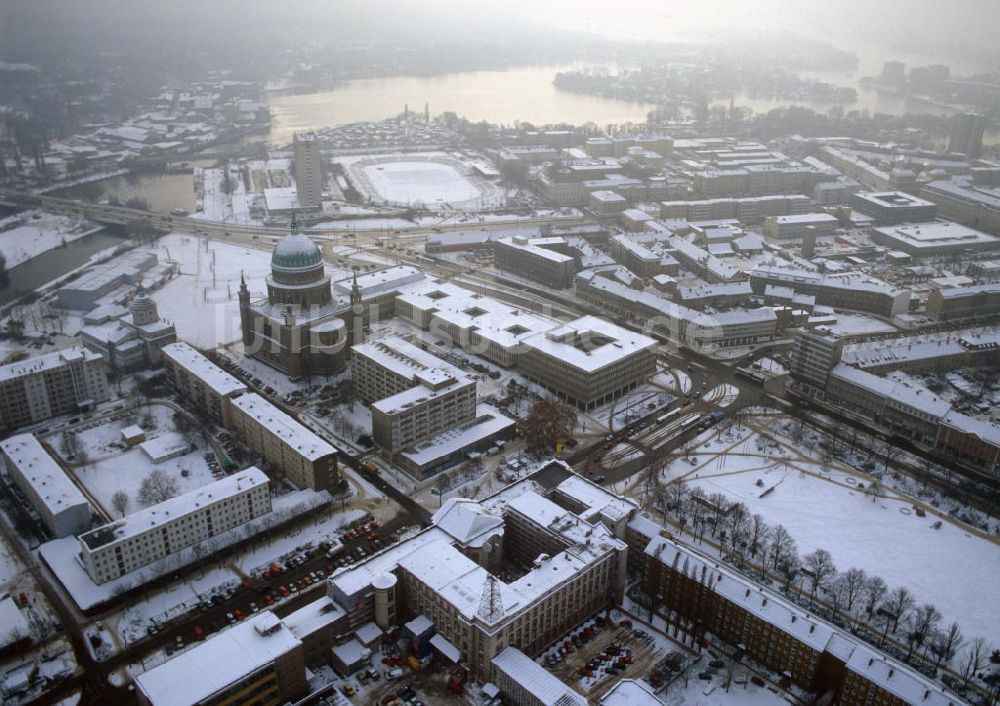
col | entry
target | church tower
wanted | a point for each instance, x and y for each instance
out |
(355, 294)
(246, 316)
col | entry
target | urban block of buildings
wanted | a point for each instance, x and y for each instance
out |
(906, 408)
(198, 380)
(562, 545)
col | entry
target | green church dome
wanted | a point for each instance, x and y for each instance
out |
(296, 252)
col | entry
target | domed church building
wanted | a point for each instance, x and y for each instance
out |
(300, 329)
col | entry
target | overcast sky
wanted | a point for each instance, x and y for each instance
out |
(965, 32)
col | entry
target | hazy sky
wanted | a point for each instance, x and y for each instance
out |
(966, 33)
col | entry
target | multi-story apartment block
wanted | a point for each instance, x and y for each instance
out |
(67, 381)
(260, 662)
(699, 595)
(120, 547)
(304, 458)
(589, 361)
(200, 381)
(950, 303)
(814, 354)
(538, 259)
(51, 492)
(414, 394)
(308, 170)
(849, 291)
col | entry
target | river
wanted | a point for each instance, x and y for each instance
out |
(55, 263)
(523, 94)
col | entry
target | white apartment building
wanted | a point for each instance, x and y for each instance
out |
(152, 533)
(416, 394)
(57, 383)
(304, 458)
(196, 378)
(52, 493)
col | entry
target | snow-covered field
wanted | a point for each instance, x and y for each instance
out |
(823, 506)
(713, 693)
(32, 233)
(426, 182)
(10, 565)
(430, 179)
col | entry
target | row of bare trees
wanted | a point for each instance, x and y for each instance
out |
(863, 603)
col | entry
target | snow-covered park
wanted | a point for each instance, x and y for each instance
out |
(824, 504)
(112, 466)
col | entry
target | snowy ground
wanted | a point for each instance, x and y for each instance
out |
(713, 693)
(202, 302)
(32, 233)
(112, 466)
(10, 566)
(823, 505)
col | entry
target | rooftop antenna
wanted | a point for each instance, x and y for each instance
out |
(491, 604)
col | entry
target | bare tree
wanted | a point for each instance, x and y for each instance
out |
(854, 585)
(919, 626)
(738, 518)
(782, 545)
(875, 591)
(120, 502)
(157, 487)
(974, 660)
(945, 643)
(820, 566)
(759, 532)
(897, 605)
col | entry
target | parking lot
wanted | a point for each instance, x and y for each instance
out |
(600, 652)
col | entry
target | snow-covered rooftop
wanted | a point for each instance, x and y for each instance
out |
(911, 394)
(217, 379)
(488, 423)
(467, 521)
(387, 280)
(590, 343)
(194, 675)
(49, 361)
(544, 686)
(42, 473)
(283, 426)
(169, 510)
